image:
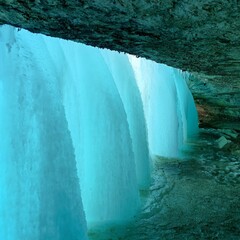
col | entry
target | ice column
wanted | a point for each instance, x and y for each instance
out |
(124, 78)
(100, 132)
(187, 112)
(158, 92)
(106, 160)
(168, 105)
(40, 194)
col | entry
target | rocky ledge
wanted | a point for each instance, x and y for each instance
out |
(202, 37)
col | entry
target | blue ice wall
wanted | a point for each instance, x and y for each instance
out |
(169, 107)
(97, 123)
(187, 112)
(76, 124)
(124, 78)
(100, 132)
(40, 194)
(160, 105)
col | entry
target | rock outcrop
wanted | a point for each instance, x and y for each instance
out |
(202, 37)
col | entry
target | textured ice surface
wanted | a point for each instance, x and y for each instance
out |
(40, 194)
(187, 113)
(124, 78)
(100, 131)
(73, 117)
(168, 105)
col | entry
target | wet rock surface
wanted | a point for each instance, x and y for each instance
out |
(201, 36)
(196, 197)
(217, 100)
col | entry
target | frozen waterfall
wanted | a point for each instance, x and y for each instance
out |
(78, 126)
(169, 107)
(40, 193)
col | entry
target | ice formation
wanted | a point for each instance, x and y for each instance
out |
(124, 78)
(101, 136)
(40, 194)
(169, 107)
(77, 125)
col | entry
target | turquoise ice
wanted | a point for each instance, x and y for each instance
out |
(78, 128)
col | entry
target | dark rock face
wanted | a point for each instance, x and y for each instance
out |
(198, 36)
(217, 100)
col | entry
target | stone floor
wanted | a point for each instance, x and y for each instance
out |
(197, 197)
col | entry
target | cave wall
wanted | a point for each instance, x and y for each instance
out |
(199, 36)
